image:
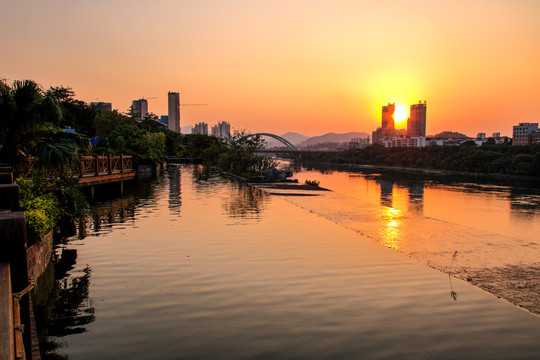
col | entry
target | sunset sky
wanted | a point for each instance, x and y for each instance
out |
(306, 66)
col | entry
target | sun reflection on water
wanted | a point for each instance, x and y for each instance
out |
(390, 233)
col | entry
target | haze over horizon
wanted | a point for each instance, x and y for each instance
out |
(308, 67)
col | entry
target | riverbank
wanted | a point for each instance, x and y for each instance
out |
(420, 171)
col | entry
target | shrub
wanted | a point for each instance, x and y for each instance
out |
(42, 208)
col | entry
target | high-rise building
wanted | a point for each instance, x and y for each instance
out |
(416, 124)
(174, 112)
(200, 128)
(523, 133)
(387, 125)
(140, 108)
(376, 136)
(222, 130)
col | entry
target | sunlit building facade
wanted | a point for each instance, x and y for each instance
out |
(522, 134)
(416, 124)
(387, 125)
(174, 112)
(140, 108)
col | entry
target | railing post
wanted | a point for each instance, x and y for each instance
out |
(81, 170)
(96, 165)
(121, 163)
(110, 164)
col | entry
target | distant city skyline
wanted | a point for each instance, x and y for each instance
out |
(286, 66)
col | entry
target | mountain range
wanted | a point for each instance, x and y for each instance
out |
(303, 140)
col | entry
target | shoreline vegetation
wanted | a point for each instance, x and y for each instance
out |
(55, 128)
(494, 160)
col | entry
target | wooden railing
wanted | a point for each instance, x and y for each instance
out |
(97, 165)
(93, 165)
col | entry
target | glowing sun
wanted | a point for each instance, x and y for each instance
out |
(400, 114)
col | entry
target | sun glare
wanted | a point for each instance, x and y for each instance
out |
(400, 114)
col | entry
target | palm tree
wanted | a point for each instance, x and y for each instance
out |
(29, 120)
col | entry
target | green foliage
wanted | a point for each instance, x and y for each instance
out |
(42, 209)
(24, 111)
(173, 143)
(75, 113)
(29, 125)
(241, 157)
(129, 139)
(488, 159)
(106, 122)
(71, 199)
(211, 148)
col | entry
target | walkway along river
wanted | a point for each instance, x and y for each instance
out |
(191, 266)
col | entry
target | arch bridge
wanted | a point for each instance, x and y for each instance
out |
(279, 138)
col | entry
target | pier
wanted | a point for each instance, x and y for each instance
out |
(93, 170)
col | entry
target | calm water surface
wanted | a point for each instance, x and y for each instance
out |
(197, 267)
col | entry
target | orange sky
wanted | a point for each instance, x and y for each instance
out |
(276, 66)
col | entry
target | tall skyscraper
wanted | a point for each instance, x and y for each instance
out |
(387, 128)
(416, 124)
(140, 107)
(174, 112)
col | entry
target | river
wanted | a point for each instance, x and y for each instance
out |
(193, 266)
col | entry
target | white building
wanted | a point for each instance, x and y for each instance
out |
(222, 130)
(404, 141)
(200, 128)
(523, 133)
(140, 107)
(174, 112)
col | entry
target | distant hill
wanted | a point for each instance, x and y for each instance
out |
(449, 135)
(293, 137)
(333, 138)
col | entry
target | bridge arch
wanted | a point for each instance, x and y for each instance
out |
(278, 138)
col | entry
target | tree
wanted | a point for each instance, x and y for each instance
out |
(107, 121)
(29, 125)
(129, 139)
(242, 158)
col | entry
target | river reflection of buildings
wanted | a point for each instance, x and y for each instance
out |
(103, 216)
(175, 194)
(415, 193)
(392, 214)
